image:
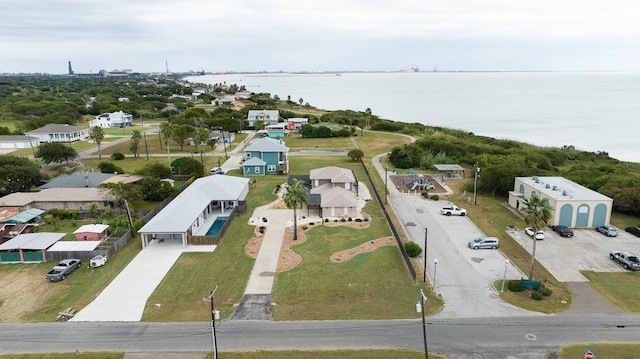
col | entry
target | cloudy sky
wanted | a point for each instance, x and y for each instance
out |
(328, 35)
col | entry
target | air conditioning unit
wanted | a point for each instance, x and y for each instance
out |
(547, 186)
(555, 188)
(564, 193)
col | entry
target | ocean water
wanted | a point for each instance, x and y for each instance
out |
(593, 111)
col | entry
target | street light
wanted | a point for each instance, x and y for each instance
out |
(420, 308)
(475, 182)
(386, 189)
(504, 278)
(435, 271)
(214, 315)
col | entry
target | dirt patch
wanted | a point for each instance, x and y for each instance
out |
(21, 290)
(363, 248)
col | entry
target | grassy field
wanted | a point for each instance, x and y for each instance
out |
(601, 351)
(345, 354)
(620, 289)
(83, 355)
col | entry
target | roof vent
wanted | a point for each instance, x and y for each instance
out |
(564, 193)
(555, 188)
(547, 186)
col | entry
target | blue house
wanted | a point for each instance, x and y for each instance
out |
(265, 156)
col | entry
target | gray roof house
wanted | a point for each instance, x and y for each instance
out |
(55, 132)
(194, 212)
(77, 180)
(30, 247)
(268, 117)
(265, 156)
(335, 191)
(10, 142)
(61, 198)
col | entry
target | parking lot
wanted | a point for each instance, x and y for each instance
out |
(586, 250)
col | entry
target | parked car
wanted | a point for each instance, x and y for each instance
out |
(609, 231)
(626, 259)
(63, 269)
(633, 230)
(539, 234)
(484, 242)
(216, 171)
(563, 231)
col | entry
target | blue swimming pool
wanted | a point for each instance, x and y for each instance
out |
(216, 226)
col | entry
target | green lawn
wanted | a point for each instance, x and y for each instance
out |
(83, 355)
(601, 351)
(620, 289)
(346, 354)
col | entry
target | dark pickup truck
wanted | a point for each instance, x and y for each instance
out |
(63, 269)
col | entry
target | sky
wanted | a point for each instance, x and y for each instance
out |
(328, 35)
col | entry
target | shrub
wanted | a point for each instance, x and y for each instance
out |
(413, 250)
(264, 219)
(536, 295)
(435, 197)
(326, 220)
(358, 219)
(261, 229)
(342, 220)
(425, 194)
(366, 219)
(546, 291)
(350, 219)
(108, 167)
(117, 156)
(514, 285)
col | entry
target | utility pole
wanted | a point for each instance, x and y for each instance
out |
(424, 273)
(475, 182)
(421, 307)
(214, 315)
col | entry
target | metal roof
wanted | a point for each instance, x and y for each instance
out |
(77, 180)
(20, 199)
(442, 167)
(70, 246)
(36, 241)
(92, 228)
(560, 188)
(180, 213)
(25, 216)
(266, 144)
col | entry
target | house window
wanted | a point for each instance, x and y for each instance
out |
(271, 168)
(248, 155)
(257, 169)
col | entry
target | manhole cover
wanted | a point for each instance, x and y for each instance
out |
(477, 260)
(411, 224)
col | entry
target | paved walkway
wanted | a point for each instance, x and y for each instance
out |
(124, 299)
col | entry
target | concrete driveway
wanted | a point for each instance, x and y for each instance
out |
(462, 276)
(586, 250)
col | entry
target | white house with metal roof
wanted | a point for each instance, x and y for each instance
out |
(55, 132)
(573, 205)
(194, 212)
(113, 119)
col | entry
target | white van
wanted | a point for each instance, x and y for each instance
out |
(216, 171)
(484, 242)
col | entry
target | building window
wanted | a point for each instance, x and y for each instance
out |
(257, 169)
(271, 168)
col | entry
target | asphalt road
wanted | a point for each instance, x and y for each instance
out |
(478, 338)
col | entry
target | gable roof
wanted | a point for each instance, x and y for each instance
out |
(338, 197)
(77, 180)
(266, 144)
(91, 228)
(37, 241)
(56, 128)
(254, 161)
(335, 174)
(271, 114)
(16, 138)
(74, 246)
(180, 213)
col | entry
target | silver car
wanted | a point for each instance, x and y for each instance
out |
(609, 231)
(484, 242)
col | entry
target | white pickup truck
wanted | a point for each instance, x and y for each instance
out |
(453, 210)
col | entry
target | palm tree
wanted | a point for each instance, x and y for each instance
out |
(295, 196)
(537, 214)
(166, 129)
(97, 135)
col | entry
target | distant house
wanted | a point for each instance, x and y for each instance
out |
(224, 101)
(268, 117)
(115, 119)
(220, 136)
(197, 211)
(91, 232)
(77, 180)
(55, 132)
(277, 131)
(61, 198)
(296, 123)
(32, 215)
(574, 206)
(18, 142)
(265, 156)
(334, 190)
